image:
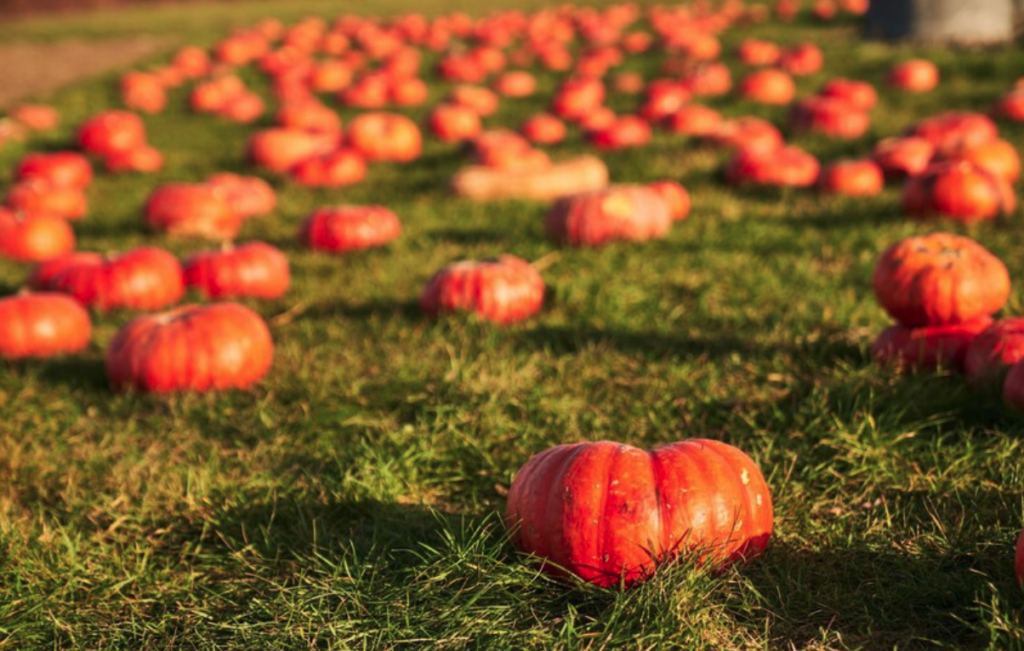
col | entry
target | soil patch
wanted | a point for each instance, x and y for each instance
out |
(32, 69)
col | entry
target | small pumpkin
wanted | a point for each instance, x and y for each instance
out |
(852, 178)
(928, 347)
(504, 290)
(339, 168)
(482, 101)
(61, 169)
(756, 52)
(142, 91)
(677, 197)
(576, 97)
(191, 348)
(610, 513)
(748, 133)
(955, 130)
(786, 166)
(829, 116)
(191, 209)
(515, 83)
(248, 196)
(903, 157)
(308, 115)
(959, 190)
(42, 325)
(543, 129)
(768, 86)
(694, 120)
(349, 228)
(381, 136)
(146, 278)
(997, 156)
(802, 59)
(254, 269)
(110, 132)
(625, 131)
(913, 76)
(860, 94)
(454, 122)
(34, 237)
(279, 150)
(940, 279)
(618, 213)
(663, 98)
(36, 196)
(144, 159)
(994, 351)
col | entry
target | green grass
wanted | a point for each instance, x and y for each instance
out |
(352, 500)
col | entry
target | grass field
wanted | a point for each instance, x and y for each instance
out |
(352, 500)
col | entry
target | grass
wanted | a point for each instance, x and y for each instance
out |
(353, 499)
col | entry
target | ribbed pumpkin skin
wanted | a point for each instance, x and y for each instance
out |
(191, 348)
(146, 278)
(255, 269)
(249, 196)
(938, 279)
(955, 130)
(61, 168)
(192, 210)
(504, 290)
(42, 325)
(349, 228)
(608, 512)
(992, 352)
(927, 347)
(624, 212)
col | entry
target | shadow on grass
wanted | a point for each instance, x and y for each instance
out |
(76, 374)
(469, 236)
(408, 310)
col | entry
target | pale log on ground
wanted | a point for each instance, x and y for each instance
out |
(567, 177)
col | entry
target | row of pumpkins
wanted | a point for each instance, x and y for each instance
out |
(605, 512)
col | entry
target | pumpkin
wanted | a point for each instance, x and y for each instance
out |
(749, 133)
(248, 196)
(802, 59)
(142, 91)
(336, 169)
(1010, 106)
(503, 290)
(146, 278)
(628, 83)
(997, 156)
(940, 279)
(507, 150)
(694, 120)
(768, 86)
(913, 76)
(35, 117)
(708, 79)
(960, 190)
(380, 136)
(515, 83)
(191, 348)
(308, 115)
(1013, 395)
(368, 92)
(858, 93)
(191, 61)
(576, 97)
(110, 132)
(625, 131)
(349, 228)
(39, 196)
(664, 97)
(330, 76)
(927, 347)
(454, 122)
(902, 157)
(411, 91)
(213, 95)
(623, 212)
(787, 166)
(34, 237)
(42, 325)
(755, 52)
(254, 269)
(853, 178)
(994, 351)
(191, 209)
(610, 513)
(143, 158)
(955, 130)
(600, 118)
(62, 169)
(828, 116)
(244, 108)
(482, 101)
(677, 197)
(279, 150)
(543, 129)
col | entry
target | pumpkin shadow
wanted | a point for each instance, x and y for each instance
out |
(861, 597)
(76, 374)
(570, 340)
(408, 310)
(467, 236)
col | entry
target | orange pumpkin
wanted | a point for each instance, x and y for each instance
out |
(928, 347)
(787, 166)
(504, 290)
(349, 228)
(254, 269)
(110, 132)
(853, 178)
(913, 76)
(339, 168)
(62, 168)
(39, 196)
(768, 86)
(960, 190)
(248, 196)
(42, 325)
(380, 136)
(191, 209)
(34, 237)
(618, 213)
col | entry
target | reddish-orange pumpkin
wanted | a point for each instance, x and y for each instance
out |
(1013, 395)
(254, 269)
(994, 351)
(35, 117)
(336, 169)
(143, 158)
(768, 86)
(110, 132)
(620, 213)
(955, 130)
(503, 290)
(928, 347)
(482, 101)
(803, 59)
(308, 115)
(913, 76)
(62, 168)
(37, 196)
(997, 156)
(454, 122)
(192, 209)
(610, 513)
(380, 136)
(349, 228)
(191, 348)
(1010, 106)
(694, 120)
(748, 133)
(279, 150)
(902, 157)
(515, 83)
(146, 278)
(940, 279)
(42, 325)
(34, 238)
(142, 91)
(576, 97)
(755, 52)
(625, 131)
(959, 190)
(787, 166)
(677, 197)
(853, 178)
(858, 93)
(543, 129)
(663, 98)
(248, 196)
(829, 116)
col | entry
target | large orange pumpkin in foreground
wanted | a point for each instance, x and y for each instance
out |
(191, 348)
(609, 512)
(503, 290)
(41, 325)
(940, 279)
